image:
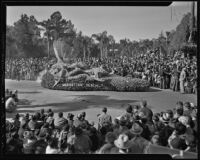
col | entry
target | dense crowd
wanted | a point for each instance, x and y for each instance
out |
(131, 133)
(175, 72)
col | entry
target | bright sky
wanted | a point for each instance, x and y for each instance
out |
(133, 22)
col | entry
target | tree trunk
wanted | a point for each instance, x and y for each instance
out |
(56, 52)
(84, 53)
(48, 47)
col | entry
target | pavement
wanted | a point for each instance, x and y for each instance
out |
(33, 97)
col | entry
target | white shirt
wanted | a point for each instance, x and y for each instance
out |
(10, 102)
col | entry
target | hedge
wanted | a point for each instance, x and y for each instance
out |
(83, 82)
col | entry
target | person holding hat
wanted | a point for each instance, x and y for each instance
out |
(104, 118)
(138, 143)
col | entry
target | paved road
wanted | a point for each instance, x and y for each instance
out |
(33, 97)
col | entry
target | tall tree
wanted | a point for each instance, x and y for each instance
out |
(60, 31)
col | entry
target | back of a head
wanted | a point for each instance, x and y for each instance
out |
(60, 114)
(50, 114)
(180, 128)
(187, 105)
(179, 111)
(129, 108)
(143, 103)
(104, 110)
(179, 104)
(53, 143)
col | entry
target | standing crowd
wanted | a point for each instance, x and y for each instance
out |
(130, 133)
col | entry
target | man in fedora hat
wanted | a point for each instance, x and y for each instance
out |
(123, 144)
(138, 143)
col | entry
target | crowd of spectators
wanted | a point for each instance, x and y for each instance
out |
(131, 133)
(176, 72)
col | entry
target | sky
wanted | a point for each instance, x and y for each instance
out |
(133, 22)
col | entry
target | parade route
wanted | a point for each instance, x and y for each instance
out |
(33, 97)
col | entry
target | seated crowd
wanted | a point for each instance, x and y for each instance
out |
(130, 133)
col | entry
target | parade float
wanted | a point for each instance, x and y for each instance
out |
(78, 76)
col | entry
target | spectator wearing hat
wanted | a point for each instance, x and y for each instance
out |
(107, 147)
(29, 143)
(138, 143)
(104, 118)
(60, 121)
(122, 126)
(166, 131)
(81, 142)
(122, 144)
(147, 112)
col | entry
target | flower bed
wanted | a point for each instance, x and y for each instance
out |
(83, 82)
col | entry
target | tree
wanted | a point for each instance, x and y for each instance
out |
(103, 44)
(61, 32)
(24, 38)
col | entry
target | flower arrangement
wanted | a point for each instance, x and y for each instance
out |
(84, 82)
